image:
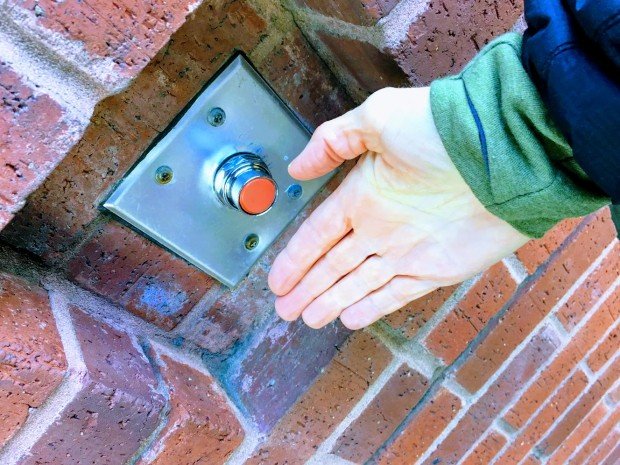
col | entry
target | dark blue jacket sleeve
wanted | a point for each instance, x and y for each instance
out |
(571, 50)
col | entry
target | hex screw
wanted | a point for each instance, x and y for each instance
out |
(163, 175)
(251, 241)
(216, 117)
(294, 191)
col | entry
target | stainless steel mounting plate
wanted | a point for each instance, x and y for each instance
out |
(177, 206)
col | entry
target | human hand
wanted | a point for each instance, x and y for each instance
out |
(401, 224)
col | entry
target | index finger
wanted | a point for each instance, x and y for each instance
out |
(315, 237)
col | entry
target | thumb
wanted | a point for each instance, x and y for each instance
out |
(334, 142)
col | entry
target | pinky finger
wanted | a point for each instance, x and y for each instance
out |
(391, 297)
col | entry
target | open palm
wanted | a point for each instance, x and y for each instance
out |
(402, 223)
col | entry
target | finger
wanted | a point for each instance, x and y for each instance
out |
(333, 142)
(344, 257)
(393, 296)
(318, 234)
(370, 275)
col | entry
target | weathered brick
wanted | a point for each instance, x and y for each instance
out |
(266, 389)
(35, 134)
(536, 252)
(201, 427)
(409, 319)
(545, 418)
(386, 411)
(371, 68)
(448, 34)
(357, 363)
(565, 361)
(605, 449)
(596, 443)
(590, 290)
(486, 450)
(574, 440)
(302, 80)
(614, 457)
(362, 12)
(427, 424)
(585, 403)
(117, 406)
(535, 300)
(139, 275)
(501, 392)
(128, 33)
(32, 360)
(452, 335)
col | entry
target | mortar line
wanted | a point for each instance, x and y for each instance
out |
(547, 401)
(596, 449)
(373, 390)
(544, 366)
(516, 268)
(512, 356)
(39, 420)
(49, 70)
(609, 413)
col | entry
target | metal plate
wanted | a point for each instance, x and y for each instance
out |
(185, 215)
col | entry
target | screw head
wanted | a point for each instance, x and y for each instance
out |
(216, 117)
(294, 191)
(251, 241)
(163, 175)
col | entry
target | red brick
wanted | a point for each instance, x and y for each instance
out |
(32, 360)
(302, 80)
(452, 335)
(382, 416)
(585, 403)
(486, 450)
(117, 406)
(35, 134)
(574, 440)
(129, 33)
(545, 418)
(607, 349)
(591, 289)
(362, 12)
(201, 427)
(412, 317)
(596, 442)
(481, 415)
(426, 425)
(321, 407)
(606, 448)
(449, 33)
(560, 367)
(139, 275)
(537, 251)
(371, 68)
(535, 300)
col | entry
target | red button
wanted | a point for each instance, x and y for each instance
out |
(257, 196)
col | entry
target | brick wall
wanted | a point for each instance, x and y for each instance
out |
(114, 351)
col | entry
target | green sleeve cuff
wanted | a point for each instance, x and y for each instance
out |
(499, 135)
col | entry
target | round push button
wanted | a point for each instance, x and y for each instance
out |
(257, 195)
(243, 182)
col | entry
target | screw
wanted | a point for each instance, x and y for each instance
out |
(216, 116)
(251, 241)
(294, 191)
(163, 175)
